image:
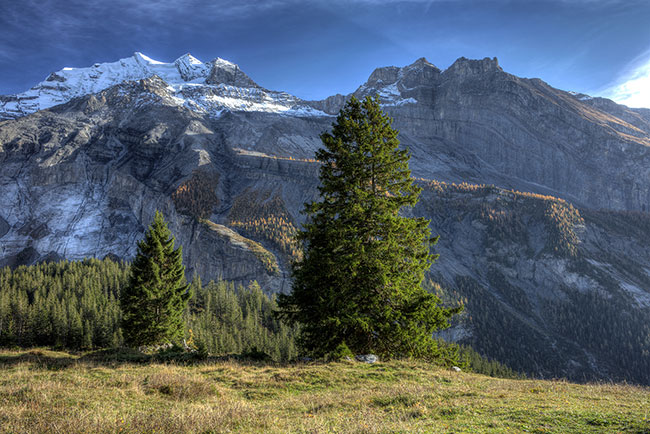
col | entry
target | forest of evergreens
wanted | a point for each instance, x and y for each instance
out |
(74, 305)
(66, 304)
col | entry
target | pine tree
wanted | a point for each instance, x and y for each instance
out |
(359, 280)
(155, 299)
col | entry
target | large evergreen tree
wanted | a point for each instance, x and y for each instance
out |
(359, 281)
(156, 297)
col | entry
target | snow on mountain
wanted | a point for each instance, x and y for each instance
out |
(191, 68)
(395, 86)
(206, 87)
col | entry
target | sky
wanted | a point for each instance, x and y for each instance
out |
(313, 49)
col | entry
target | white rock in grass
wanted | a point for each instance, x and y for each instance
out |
(367, 358)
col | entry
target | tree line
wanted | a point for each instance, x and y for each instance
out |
(75, 305)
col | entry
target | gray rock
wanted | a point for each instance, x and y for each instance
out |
(367, 358)
(224, 72)
(4, 227)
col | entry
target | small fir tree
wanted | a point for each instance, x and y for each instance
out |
(359, 280)
(155, 299)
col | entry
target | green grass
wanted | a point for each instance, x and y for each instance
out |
(47, 391)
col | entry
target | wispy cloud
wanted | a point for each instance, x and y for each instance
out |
(76, 12)
(633, 87)
(70, 15)
(54, 25)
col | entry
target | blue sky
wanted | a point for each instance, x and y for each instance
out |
(313, 49)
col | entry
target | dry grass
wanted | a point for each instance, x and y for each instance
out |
(60, 393)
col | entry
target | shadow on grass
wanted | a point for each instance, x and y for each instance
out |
(107, 357)
(39, 358)
(112, 357)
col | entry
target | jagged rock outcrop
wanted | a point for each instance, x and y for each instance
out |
(225, 72)
(474, 122)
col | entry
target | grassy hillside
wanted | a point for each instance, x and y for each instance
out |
(46, 391)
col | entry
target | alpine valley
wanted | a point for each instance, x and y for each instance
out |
(539, 195)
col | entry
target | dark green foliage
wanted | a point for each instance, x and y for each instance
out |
(359, 281)
(76, 305)
(64, 304)
(341, 352)
(224, 318)
(607, 327)
(503, 336)
(235, 320)
(256, 355)
(474, 362)
(154, 301)
(583, 323)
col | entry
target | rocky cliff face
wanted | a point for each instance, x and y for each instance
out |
(474, 122)
(486, 126)
(230, 164)
(549, 288)
(83, 179)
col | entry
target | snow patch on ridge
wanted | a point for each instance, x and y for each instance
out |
(641, 296)
(391, 96)
(215, 99)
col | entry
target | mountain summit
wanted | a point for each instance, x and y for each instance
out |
(207, 87)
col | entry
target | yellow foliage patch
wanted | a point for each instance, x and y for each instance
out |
(264, 217)
(196, 196)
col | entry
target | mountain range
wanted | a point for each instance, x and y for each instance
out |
(539, 195)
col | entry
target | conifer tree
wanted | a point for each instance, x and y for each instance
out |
(155, 299)
(359, 280)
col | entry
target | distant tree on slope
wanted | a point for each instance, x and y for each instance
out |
(156, 297)
(359, 281)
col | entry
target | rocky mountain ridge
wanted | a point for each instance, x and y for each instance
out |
(230, 165)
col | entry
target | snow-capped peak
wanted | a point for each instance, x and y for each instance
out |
(187, 57)
(207, 87)
(146, 59)
(191, 68)
(68, 83)
(224, 63)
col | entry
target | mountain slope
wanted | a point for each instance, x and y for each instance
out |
(474, 122)
(553, 286)
(550, 289)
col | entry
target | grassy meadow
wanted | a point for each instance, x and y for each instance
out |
(56, 392)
